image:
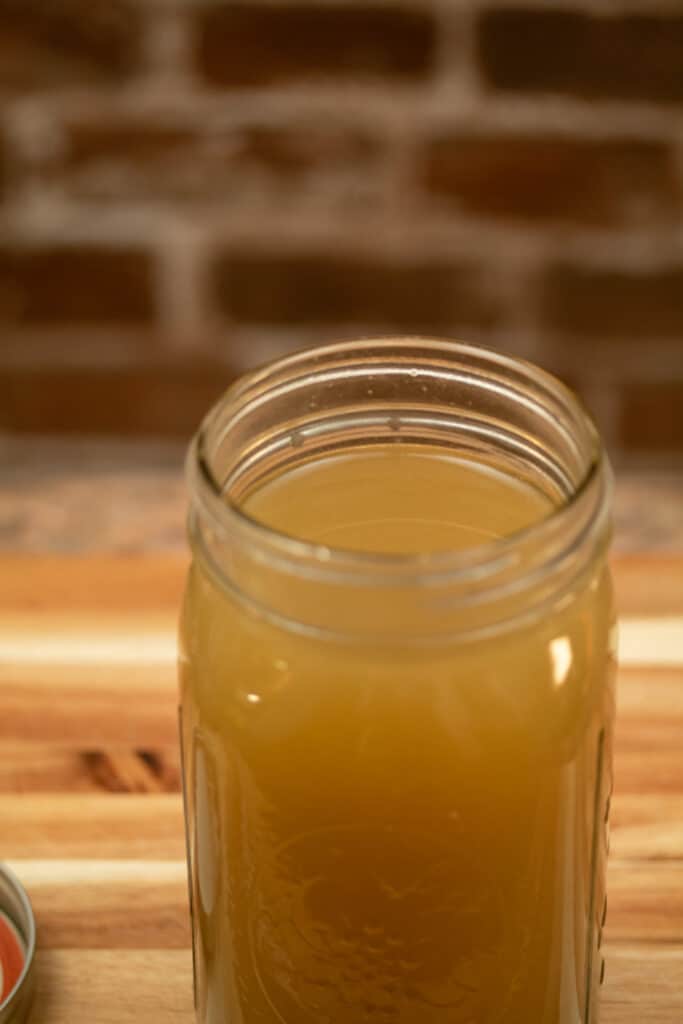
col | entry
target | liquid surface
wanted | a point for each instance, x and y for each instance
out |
(383, 832)
(397, 500)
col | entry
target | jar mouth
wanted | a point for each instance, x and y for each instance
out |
(580, 497)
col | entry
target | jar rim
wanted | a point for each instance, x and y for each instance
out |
(228, 517)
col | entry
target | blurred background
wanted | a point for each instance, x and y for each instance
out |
(189, 188)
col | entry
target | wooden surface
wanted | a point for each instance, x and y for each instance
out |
(91, 495)
(90, 810)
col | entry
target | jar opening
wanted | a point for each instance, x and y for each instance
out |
(458, 398)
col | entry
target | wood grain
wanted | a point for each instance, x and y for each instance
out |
(649, 698)
(644, 827)
(108, 904)
(45, 584)
(91, 816)
(90, 705)
(645, 901)
(657, 772)
(98, 724)
(642, 984)
(649, 584)
(36, 767)
(646, 584)
(126, 904)
(113, 987)
(66, 826)
(114, 706)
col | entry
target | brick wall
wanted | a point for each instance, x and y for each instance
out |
(188, 188)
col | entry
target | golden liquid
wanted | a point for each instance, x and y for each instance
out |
(387, 832)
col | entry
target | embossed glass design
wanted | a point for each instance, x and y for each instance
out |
(397, 655)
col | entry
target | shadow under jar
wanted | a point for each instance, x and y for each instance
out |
(397, 670)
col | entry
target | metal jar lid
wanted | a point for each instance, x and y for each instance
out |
(17, 948)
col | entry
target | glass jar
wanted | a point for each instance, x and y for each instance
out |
(397, 670)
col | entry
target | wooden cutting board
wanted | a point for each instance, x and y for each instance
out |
(90, 807)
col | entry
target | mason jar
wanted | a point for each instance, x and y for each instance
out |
(397, 692)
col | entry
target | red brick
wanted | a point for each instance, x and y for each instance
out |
(652, 416)
(637, 56)
(242, 44)
(124, 157)
(297, 149)
(134, 139)
(56, 42)
(166, 400)
(544, 177)
(63, 284)
(613, 303)
(318, 288)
